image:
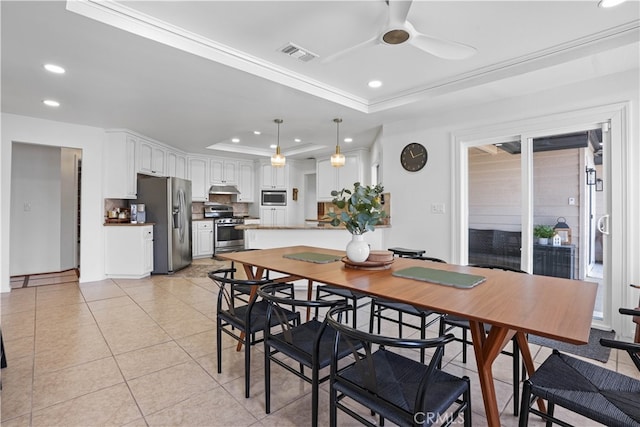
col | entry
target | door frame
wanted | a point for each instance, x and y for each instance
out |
(615, 247)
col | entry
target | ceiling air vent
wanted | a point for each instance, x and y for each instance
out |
(297, 52)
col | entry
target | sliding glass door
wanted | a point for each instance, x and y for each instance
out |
(555, 176)
(494, 204)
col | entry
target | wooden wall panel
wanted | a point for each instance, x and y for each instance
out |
(495, 191)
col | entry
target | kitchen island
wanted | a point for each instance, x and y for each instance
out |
(326, 236)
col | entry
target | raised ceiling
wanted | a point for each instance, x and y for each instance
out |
(197, 74)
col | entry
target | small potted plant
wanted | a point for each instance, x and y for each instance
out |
(543, 233)
(361, 210)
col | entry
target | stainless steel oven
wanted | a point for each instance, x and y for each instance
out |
(225, 236)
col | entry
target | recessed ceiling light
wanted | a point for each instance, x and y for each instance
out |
(609, 3)
(235, 140)
(51, 103)
(375, 84)
(272, 146)
(348, 140)
(297, 140)
(54, 68)
(256, 132)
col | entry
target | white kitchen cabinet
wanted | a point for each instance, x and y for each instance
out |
(152, 158)
(128, 251)
(120, 166)
(223, 172)
(176, 164)
(329, 178)
(273, 216)
(198, 173)
(246, 182)
(273, 178)
(202, 239)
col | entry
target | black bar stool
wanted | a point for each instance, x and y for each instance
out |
(406, 253)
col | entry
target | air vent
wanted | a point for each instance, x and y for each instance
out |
(297, 52)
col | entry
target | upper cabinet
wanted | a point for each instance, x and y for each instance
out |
(329, 178)
(151, 158)
(120, 166)
(273, 178)
(176, 164)
(223, 171)
(198, 173)
(246, 182)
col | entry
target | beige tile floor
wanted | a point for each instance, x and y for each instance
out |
(142, 353)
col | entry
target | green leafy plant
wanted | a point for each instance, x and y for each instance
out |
(543, 231)
(361, 208)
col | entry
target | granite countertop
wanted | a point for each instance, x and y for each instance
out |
(127, 224)
(320, 226)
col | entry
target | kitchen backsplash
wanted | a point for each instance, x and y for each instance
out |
(197, 208)
(325, 207)
(239, 209)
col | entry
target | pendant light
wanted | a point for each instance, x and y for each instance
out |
(337, 159)
(278, 160)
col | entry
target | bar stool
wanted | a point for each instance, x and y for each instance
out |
(406, 253)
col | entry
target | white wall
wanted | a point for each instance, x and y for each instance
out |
(44, 132)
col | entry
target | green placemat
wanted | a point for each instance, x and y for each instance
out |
(313, 257)
(441, 277)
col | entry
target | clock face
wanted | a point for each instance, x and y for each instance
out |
(413, 157)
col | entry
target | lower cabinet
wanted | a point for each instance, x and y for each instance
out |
(128, 251)
(202, 239)
(556, 261)
(273, 216)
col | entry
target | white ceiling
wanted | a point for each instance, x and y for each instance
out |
(196, 74)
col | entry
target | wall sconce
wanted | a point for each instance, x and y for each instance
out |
(599, 184)
(591, 176)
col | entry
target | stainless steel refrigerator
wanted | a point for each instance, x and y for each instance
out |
(168, 204)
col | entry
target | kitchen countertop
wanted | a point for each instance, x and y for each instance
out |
(127, 224)
(320, 226)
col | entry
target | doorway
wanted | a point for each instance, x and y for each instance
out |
(609, 119)
(45, 209)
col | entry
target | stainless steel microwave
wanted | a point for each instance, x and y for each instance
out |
(274, 198)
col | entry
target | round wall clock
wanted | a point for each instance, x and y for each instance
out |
(413, 157)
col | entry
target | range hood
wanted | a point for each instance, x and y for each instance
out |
(223, 189)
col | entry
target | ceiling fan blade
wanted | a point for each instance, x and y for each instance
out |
(339, 55)
(398, 11)
(445, 49)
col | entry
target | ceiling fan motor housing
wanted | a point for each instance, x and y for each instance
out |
(395, 36)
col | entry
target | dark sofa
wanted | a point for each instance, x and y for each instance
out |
(495, 247)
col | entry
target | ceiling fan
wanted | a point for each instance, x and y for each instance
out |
(398, 31)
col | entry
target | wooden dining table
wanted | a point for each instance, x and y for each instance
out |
(514, 304)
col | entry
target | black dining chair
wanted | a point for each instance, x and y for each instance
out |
(329, 293)
(310, 344)
(383, 309)
(239, 319)
(401, 390)
(593, 391)
(448, 323)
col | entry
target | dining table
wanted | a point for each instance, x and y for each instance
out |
(512, 303)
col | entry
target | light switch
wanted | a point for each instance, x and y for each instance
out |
(437, 208)
(27, 206)
(572, 201)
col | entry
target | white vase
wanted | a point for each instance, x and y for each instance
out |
(543, 240)
(357, 248)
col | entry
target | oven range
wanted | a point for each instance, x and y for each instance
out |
(225, 237)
